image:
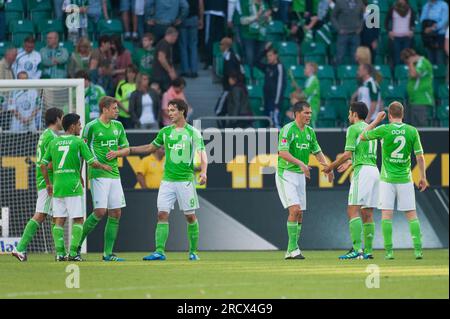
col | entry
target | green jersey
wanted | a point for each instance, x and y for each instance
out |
(299, 144)
(398, 141)
(65, 152)
(181, 145)
(363, 152)
(44, 140)
(92, 95)
(143, 59)
(420, 89)
(102, 138)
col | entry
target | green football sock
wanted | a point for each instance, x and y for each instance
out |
(299, 230)
(28, 234)
(386, 226)
(111, 230)
(77, 232)
(355, 232)
(88, 226)
(58, 238)
(369, 234)
(193, 232)
(416, 235)
(292, 229)
(161, 235)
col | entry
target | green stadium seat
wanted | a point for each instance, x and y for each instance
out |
(218, 65)
(313, 52)
(382, 4)
(297, 71)
(21, 26)
(325, 72)
(68, 45)
(258, 76)
(19, 38)
(325, 84)
(44, 5)
(275, 31)
(39, 16)
(288, 53)
(443, 91)
(350, 86)
(346, 72)
(255, 96)
(129, 46)
(216, 49)
(50, 25)
(12, 16)
(401, 73)
(385, 72)
(112, 26)
(3, 47)
(327, 116)
(442, 114)
(440, 73)
(39, 45)
(394, 93)
(336, 97)
(418, 44)
(14, 6)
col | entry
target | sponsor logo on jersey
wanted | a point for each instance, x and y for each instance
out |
(284, 141)
(177, 146)
(108, 143)
(302, 146)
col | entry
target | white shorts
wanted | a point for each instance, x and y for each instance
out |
(184, 192)
(72, 207)
(44, 203)
(403, 193)
(291, 189)
(107, 193)
(364, 187)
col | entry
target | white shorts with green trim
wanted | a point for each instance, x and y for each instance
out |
(72, 207)
(364, 187)
(402, 193)
(183, 192)
(291, 189)
(107, 193)
(44, 203)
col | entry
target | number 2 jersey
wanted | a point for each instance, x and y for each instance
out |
(398, 140)
(66, 153)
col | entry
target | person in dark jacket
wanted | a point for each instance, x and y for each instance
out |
(237, 102)
(215, 26)
(231, 61)
(369, 35)
(144, 104)
(274, 82)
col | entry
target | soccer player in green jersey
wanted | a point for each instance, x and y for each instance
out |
(396, 185)
(103, 135)
(53, 118)
(297, 141)
(65, 153)
(181, 142)
(363, 195)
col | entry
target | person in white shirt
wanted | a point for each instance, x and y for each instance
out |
(28, 60)
(145, 104)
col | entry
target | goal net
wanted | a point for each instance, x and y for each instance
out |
(23, 104)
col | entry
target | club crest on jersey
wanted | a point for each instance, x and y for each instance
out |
(116, 132)
(308, 137)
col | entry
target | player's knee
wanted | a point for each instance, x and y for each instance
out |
(115, 213)
(39, 217)
(163, 216)
(100, 213)
(295, 212)
(191, 218)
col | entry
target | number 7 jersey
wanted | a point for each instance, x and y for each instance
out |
(398, 141)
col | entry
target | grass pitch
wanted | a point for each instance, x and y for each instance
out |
(229, 275)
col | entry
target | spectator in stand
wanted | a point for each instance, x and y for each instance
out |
(189, 38)
(347, 18)
(176, 91)
(57, 6)
(121, 59)
(256, 15)
(237, 102)
(127, 9)
(400, 23)
(54, 58)
(163, 68)
(369, 92)
(363, 55)
(150, 171)
(434, 19)
(143, 57)
(101, 56)
(369, 34)
(24, 107)
(92, 95)
(96, 10)
(312, 90)
(28, 60)
(79, 60)
(103, 77)
(6, 63)
(274, 82)
(2, 21)
(163, 14)
(145, 104)
(123, 92)
(231, 61)
(419, 88)
(215, 26)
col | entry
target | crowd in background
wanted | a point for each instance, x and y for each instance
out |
(172, 36)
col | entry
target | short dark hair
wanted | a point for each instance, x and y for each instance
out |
(300, 106)
(82, 74)
(29, 39)
(359, 108)
(407, 53)
(179, 82)
(52, 115)
(70, 119)
(106, 102)
(171, 30)
(396, 110)
(103, 38)
(181, 105)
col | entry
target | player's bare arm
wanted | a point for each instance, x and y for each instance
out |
(143, 149)
(291, 159)
(204, 167)
(323, 161)
(49, 186)
(119, 153)
(99, 165)
(338, 162)
(380, 117)
(423, 183)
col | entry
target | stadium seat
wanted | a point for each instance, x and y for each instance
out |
(401, 73)
(442, 115)
(443, 91)
(255, 96)
(3, 47)
(382, 4)
(275, 31)
(110, 27)
(385, 72)
(394, 93)
(325, 73)
(40, 16)
(313, 52)
(346, 72)
(327, 116)
(288, 53)
(129, 46)
(350, 86)
(19, 30)
(39, 45)
(440, 74)
(418, 44)
(325, 84)
(12, 16)
(336, 97)
(68, 45)
(258, 76)
(14, 6)
(43, 5)
(50, 25)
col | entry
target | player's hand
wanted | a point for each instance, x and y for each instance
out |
(203, 178)
(343, 167)
(49, 190)
(327, 169)
(423, 184)
(380, 117)
(306, 170)
(107, 168)
(330, 176)
(111, 155)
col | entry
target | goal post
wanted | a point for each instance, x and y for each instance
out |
(23, 104)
